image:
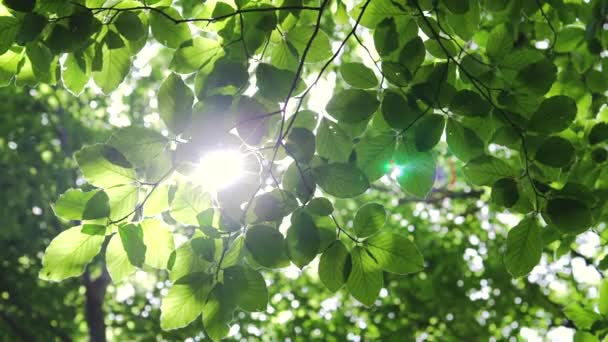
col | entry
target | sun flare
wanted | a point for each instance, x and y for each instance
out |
(219, 169)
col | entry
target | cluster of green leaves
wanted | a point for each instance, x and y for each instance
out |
(500, 80)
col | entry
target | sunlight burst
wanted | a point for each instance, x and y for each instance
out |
(219, 169)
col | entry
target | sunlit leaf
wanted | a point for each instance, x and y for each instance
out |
(394, 253)
(365, 278)
(185, 300)
(71, 251)
(334, 266)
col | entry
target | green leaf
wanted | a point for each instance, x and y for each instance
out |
(129, 25)
(320, 206)
(20, 5)
(341, 180)
(184, 261)
(9, 65)
(374, 154)
(500, 42)
(75, 204)
(416, 170)
(365, 278)
(56, 41)
(555, 152)
(332, 142)
(469, 103)
(598, 133)
(75, 31)
(375, 12)
(262, 20)
(274, 83)
(304, 119)
(457, 6)
(412, 55)
(8, 32)
(195, 54)
(132, 237)
(569, 38)
(300, 144)
(167, 32)
(524, 247)
(370, 218)
(396, 73)
(320, 49)
(227, 77)
(584, 336)
(486, 170)
(32, 25)
(188, 202)
(117, 260)
(104, 166)
(217, 312)
(42, 62)
(555, 114)
(76, 72)
(70, 251)
(439, 51)
(428, 131)
(599, 155)
(394, 253)
(267, 246)
(596, 81)
(185, 300)
(175, 101)
(358, 75)
(582, 317)
(462, 141)
(234, 253)
(300, 183)
(249, 287)
(139, 145)
(123, 200)
(115, 63)
(505, 192)
(568, 214)
(302, 240)
(465, 24)
(274, 205)
(158, 201)
(603, 297)
(352, 105)
(537, 77)
(399, 113)
(205, 247)
(268, 208)
(158, 240)
(334, 266)
(386, 38)
(250, 126)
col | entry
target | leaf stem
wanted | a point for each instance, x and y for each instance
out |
(342, 230)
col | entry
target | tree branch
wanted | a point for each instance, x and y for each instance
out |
(477, 84)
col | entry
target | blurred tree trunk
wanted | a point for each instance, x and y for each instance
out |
(95, 294)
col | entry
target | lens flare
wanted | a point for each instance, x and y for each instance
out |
(219, 169)
(394, 170)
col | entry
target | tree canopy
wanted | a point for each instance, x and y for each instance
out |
(366, 169)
